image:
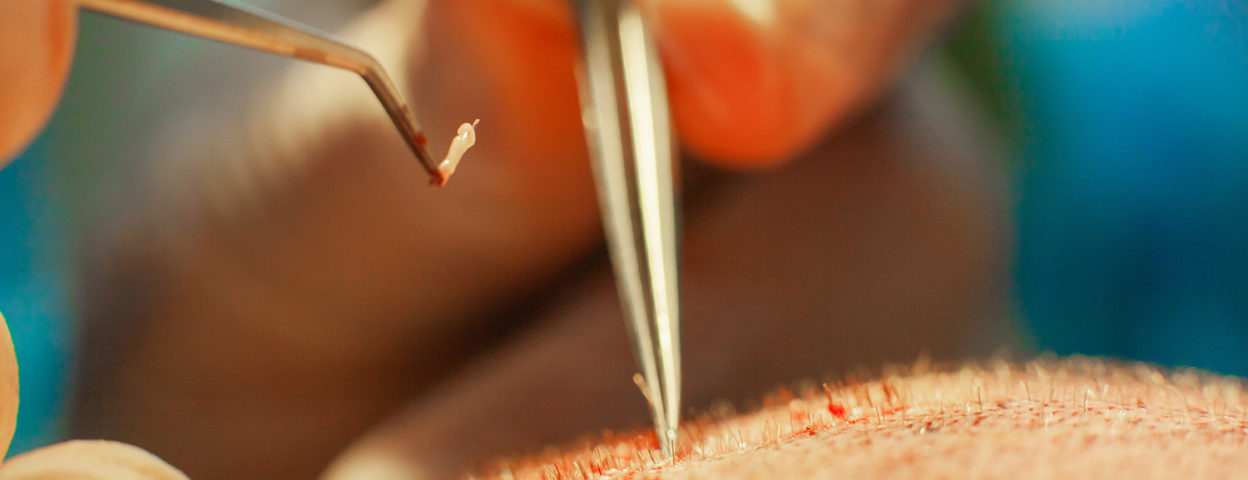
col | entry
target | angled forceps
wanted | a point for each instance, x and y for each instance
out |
(259, 30)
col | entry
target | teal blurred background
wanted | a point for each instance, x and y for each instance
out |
(34, 283)
(1127, 129)
(47, 193)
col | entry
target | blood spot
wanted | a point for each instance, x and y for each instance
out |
(836, 410)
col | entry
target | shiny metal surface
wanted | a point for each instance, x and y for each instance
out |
(259, 30)
(627, 123)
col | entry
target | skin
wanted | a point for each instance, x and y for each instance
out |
(38, 38)
(8, 387)
(1078, 419)
(78, 459)
(88, 460)
(746, 90)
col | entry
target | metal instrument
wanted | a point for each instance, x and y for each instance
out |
(255, 29)
(628, 126)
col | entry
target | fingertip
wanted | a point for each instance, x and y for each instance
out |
(743, 93)
(38, 41)
(520, 54)
(89, 460)
(8, 387)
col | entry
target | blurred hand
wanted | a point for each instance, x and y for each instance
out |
(294, 285)
(751, 82)
(36, 44)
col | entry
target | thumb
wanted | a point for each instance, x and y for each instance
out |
(36, 43)
(750, 82)
(753, 82)
(8, 388)
(89, 460)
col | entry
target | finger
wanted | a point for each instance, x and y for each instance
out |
(88, 460)
(510, 61)
(753, 82)
(36, 45)
(750, 83)
(8, 387)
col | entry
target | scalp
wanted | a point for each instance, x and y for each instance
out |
(1077, 418)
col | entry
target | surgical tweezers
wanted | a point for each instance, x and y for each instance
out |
(255, 29)
(628, 128)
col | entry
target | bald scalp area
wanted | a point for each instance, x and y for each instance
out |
(1076, 418)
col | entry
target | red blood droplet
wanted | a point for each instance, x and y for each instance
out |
(836, 410)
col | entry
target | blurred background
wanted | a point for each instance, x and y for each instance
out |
(1127, 141)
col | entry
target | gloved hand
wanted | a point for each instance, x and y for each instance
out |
(750, 83)
(294, 283)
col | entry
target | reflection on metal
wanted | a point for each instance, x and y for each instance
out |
(625, 111)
